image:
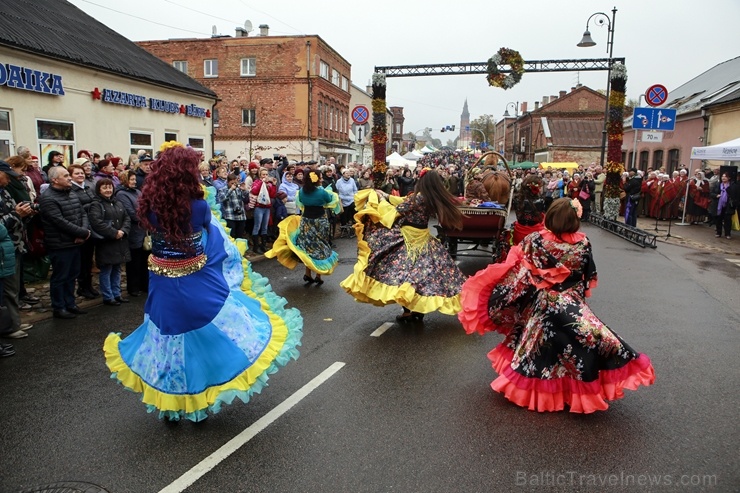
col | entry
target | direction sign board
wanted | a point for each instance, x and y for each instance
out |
(656, 95)
(360, 114)
(654, 119)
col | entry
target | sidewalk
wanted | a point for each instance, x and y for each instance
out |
(696, 236)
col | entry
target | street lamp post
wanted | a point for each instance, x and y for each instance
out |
(479, 131)
(516, 121)
(586, 41)
(425, 129)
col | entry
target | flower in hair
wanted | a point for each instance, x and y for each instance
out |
(170, 145)
(534, 188)
(314, 177)
(576, 205)
(424, 172)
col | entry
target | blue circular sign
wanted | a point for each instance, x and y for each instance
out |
(360, 115)
(656, 95)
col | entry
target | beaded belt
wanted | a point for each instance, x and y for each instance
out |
(177, 268)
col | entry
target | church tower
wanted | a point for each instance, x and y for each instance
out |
(464, 139)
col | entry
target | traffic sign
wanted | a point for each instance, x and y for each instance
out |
(654, 119)
(656, 95)
(360, 114)
(652, 136)
(360, 132)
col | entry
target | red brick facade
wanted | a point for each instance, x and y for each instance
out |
(291, 105)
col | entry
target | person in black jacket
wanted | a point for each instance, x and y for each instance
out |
(586, 193)
(110, 221)
(633, 187)
(81, 188)
(137, 270)
(66, 228)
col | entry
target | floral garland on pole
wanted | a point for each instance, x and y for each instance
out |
(615, 134)
(379, 132)
(513, 59)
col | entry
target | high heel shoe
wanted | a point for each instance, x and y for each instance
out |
(417, 316)
(318, 281)
(308, 279)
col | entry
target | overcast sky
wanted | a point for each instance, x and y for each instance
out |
(664, 41)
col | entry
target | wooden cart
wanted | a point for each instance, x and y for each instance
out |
(484, 232)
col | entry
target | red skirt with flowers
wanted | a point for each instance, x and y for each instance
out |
(556, 352)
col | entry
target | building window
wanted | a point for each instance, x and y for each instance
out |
(345, 84)
(210, 68)
(142, 141)
(644, 155)
(55, 136)
(249, 67)
(5, 121)
(324, 70)
(181, 65)
(170, 136)
(335, 77)
(197, 143)
(216, 118)
(5, 136)
(249, 117)
(657, 159)
(321, 108)
(672, 160)
(326, 116)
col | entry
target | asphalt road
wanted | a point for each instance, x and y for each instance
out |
(411, 409)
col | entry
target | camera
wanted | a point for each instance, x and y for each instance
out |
(34, 207)
(237, 210)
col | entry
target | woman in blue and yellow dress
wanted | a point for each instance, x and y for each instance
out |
(307, 238)
(213, 330)
(398, 260)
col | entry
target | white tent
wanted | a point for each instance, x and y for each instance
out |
(395, 160)
(727, 151)
(413, 156)
(427, 149)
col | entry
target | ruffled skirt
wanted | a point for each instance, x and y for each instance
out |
(423, 278)
(208, 337)
(307, 241)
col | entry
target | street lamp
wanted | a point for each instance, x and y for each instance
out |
(516, 120)
(586, 41)
(425, 130)
(479, 131)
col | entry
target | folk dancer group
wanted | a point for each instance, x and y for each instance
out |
(213, 329)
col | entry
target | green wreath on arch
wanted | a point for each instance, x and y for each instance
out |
(505, 56)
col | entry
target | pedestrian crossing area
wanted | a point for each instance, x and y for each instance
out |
(735, 261)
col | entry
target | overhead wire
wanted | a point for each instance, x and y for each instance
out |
(144, 19)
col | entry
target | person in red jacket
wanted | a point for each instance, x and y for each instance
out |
(264, 188)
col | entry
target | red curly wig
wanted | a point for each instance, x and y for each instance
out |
(170, 186)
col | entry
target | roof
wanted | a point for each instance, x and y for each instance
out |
(57, 29)
(575, 133)
(727, 98)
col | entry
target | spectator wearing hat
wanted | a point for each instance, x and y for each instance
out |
(272, 172)
(233, 198)
(12, 216)
(107, 169)
(290, 189)
(142, 171)
(55, 158)
(262, 208)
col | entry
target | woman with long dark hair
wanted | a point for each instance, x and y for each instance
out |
(213, 330)
(306, 238)
(529, 207)
(398, 260)
(556, 353)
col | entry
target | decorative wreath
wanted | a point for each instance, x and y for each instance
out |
(513, 59)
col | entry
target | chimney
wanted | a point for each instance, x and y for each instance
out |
(563, 93)
(369, 88)
(545, 100)
(572, 89)
(536, 105)
(264, 30)
(553, 98)
(241, 32)
(524, 107)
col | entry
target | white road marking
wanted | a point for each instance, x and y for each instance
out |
(735, 261)
(200, 469)
(379, 331)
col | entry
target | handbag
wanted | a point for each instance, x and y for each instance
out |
(622, 194)
(147, 243)
(263, 198)
(584, 195)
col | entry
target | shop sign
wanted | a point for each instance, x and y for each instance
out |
(154, 104)
(17, 77)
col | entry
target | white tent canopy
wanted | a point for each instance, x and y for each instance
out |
(427, 149)
(413, 156)
(395, 160)
(727, 151)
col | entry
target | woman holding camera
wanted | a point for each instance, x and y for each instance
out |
(232, 198)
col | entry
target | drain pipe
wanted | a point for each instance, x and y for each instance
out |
(310, 98)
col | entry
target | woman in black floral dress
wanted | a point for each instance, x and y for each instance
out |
(398, 260)
(556, 352)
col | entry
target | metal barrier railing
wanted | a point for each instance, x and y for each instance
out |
(629, 233)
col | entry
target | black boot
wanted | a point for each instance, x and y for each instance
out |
(265, 239)
(259, 245)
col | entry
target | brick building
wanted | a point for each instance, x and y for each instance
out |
(563, 128)
(277, 94)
